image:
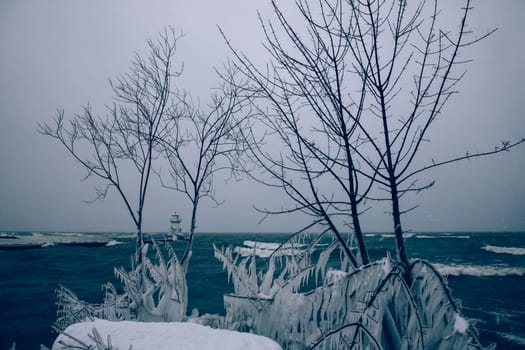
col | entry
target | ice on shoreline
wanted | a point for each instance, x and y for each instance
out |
(38, 240)
(266, 249)
(163, 336)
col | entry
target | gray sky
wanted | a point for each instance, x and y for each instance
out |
(60, 53)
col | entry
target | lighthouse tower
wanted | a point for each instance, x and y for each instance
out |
(175, 228)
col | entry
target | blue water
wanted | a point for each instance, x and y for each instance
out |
(486, 271)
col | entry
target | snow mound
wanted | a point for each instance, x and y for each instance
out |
(163, 335)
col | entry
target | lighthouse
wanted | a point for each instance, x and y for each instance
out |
(175, 228)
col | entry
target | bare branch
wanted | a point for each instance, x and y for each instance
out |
(127, 136)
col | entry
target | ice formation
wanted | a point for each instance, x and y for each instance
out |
(154, 290)
(311, 299)
(304, 301)
(460, 324)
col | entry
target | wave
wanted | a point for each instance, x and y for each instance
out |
(381, 235)
(520, 340)
(58, 234)
(125, 235)
(443, 236)
(8, 235)
(388, 235)
(504, 250)
(113, 243)
(384, 235)
(479, 270)
(418, 235)
(64, 234)
(72, 234)
(510, 317)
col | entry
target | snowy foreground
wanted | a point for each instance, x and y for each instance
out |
(162, 335)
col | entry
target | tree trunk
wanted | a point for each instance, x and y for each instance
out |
(359, 234)
(187, 254)
(353, 202)
(398, 231)
(139, 244)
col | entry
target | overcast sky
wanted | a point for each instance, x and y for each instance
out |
(60, 53)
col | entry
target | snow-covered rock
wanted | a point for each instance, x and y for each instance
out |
(163, 335)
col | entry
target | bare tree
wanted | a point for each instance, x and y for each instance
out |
(351, 95)
(127, 138)
(200, 144)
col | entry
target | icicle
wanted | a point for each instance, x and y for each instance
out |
(320, 267)
(267, 280)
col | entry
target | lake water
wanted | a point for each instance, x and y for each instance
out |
(486, 271)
